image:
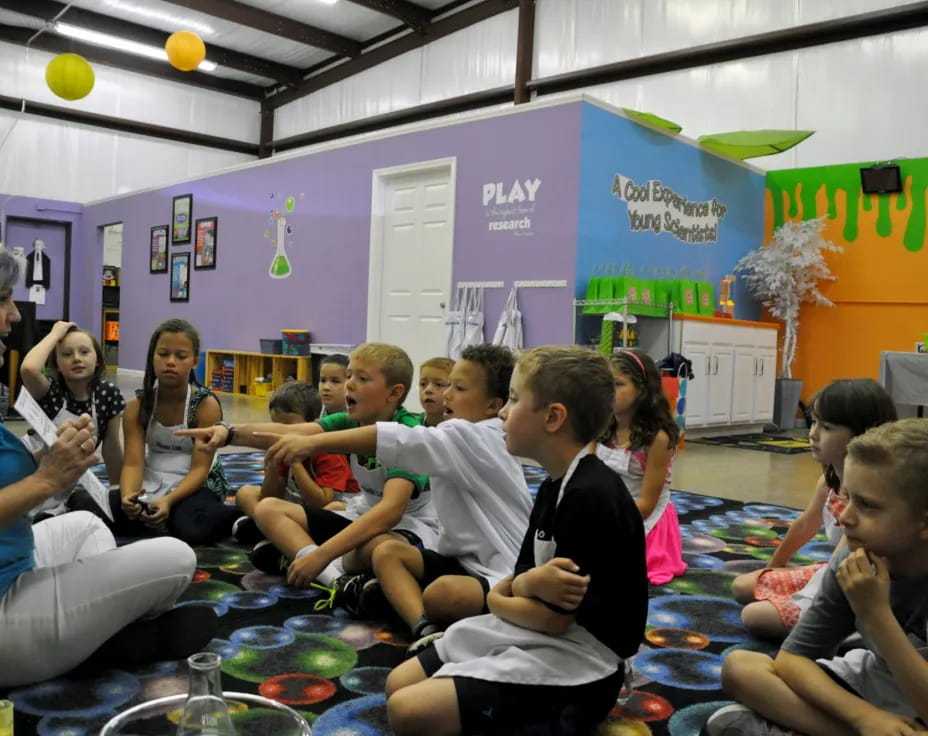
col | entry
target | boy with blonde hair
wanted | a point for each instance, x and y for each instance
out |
(879, 588)
(434, 378)
(479, 492)
(549, 657)
(392, 503)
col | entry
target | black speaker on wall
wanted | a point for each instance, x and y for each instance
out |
(881, 179)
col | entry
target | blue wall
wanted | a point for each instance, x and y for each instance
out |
(612, 145)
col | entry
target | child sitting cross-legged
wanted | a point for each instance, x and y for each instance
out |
(877, 587)
(392, 502)
(549, 657)
(320, 482)
(479, 492)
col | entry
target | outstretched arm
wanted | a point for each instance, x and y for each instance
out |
(259, 435)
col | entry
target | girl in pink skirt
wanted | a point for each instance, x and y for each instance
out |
(639, 445)
(778, 595)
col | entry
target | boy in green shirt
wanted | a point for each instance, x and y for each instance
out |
(392, 503)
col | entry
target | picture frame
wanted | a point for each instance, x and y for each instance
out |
(158, 249)
(181, 214)
(205, 243)
(180, 277)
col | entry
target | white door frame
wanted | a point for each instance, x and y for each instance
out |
(379, 180)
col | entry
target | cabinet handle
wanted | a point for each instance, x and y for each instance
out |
(762, 366)
(755, 366)
(716, 365)
(708, 365)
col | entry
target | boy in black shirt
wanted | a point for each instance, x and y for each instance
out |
(549, 658)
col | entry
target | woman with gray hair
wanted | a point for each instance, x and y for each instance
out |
(67, 593)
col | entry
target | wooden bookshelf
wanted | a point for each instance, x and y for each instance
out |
(246, 367)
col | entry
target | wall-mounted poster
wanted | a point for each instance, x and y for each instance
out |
(159, 249)
(205, 248)
(180, 219)
(180, 277)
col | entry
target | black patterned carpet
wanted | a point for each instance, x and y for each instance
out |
(332, 668)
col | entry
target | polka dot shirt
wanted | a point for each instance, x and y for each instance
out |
(107, 400)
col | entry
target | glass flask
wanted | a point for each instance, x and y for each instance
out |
(206, 712)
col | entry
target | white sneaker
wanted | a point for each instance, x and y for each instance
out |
(739, 720)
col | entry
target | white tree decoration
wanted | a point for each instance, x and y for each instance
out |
(786, 273)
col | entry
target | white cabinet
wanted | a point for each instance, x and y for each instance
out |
(735, 371)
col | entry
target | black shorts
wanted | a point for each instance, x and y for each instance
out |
(486, 707)
(435, 566)
(322, 525)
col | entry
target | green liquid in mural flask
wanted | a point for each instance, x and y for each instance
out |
(280, 266)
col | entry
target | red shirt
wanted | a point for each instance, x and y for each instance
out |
(329, 471)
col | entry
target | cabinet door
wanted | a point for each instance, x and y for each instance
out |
(764, 384)
(720, 386)
(697, 390)
(743, 385)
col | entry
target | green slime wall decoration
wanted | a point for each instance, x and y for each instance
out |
(846, 178)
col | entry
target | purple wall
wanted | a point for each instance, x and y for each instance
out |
(86, 280)
(238, 303)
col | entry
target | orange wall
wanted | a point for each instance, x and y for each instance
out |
(881, 287)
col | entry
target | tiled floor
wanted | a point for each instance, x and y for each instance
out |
(742, 475)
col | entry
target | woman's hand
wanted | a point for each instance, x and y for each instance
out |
(71, 455)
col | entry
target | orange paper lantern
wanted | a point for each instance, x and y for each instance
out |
(185, 50)
(69, 76)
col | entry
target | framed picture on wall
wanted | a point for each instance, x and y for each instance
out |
(204, 253)
(158, 249)
(181, 212)
(180, 277)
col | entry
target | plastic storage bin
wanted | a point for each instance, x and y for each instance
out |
(271, 347)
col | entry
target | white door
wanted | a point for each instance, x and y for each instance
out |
(765, 383)
(697, 390)
(412, 243)
(723, 369)
(742, 389)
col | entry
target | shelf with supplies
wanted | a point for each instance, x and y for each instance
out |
(110, 332)
(654, 322)
(236, 371)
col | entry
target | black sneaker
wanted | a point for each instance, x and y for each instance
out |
(423, 642)
(267, 558)
(246, 531)
(347, 591)
(372, 603)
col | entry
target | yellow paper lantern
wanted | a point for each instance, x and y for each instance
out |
(69, 76)
(185, 50)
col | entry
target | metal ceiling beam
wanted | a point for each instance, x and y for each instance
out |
(414, 16)
(176, 135)
(56, 44)
(436, 109)
(525, 45)
(261, 20)
(880, 22)
(439, 29)
(48, 9)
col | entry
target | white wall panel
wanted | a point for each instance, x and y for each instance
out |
(134, 96)
(48, 158)
(476, 58)
(393, 85)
